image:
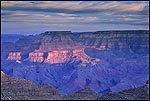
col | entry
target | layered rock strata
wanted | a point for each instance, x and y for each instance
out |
(14, 56)
(62, 45)
(57, 56)
(103, 40)
(61, 56)
(36, 56)
(57, 40)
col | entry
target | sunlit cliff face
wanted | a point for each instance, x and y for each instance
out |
(60, 46)
(60, 56)
(14, 56)
(36, 57)
(57, 56)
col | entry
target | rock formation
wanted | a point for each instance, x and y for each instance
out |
(119, 60)
(20, 89)
(14, 56)
(60, 47)
(103, 40)
(57, 56)
(139, 93)
(36, 56)
(55, 42)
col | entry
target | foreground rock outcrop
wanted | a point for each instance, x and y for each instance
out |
(139, 93)
(19, 89)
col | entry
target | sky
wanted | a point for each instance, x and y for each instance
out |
(34, 17)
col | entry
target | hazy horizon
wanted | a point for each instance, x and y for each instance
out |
(58, 30)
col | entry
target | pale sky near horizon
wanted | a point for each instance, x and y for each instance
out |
(34, 17)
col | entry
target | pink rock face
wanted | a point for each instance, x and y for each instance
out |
(36, 56)
(14, 56)
(60, 48)
(78, 51)
(80, 55)
(59, 56)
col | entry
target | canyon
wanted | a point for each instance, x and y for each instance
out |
(60, 45)
(113, 61)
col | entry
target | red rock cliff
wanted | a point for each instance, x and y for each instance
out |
(36, 56)
(14, 56)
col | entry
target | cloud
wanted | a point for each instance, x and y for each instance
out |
(77, 14)
(41, 18)
(68, 15)
(67, 20)
(72, 11)
(71, 7)
(126, 21)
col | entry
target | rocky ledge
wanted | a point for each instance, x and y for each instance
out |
(139, 93)
(19, 89)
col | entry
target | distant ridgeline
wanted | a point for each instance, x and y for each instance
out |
(133, 39)
(60, 46)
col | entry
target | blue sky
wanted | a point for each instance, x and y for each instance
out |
(34, 17)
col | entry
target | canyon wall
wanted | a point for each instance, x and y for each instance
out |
(36, 56)
(62, 45)
(103, 40)
(115, 65)
(57, 40)
(14, 56)
(57, 56)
